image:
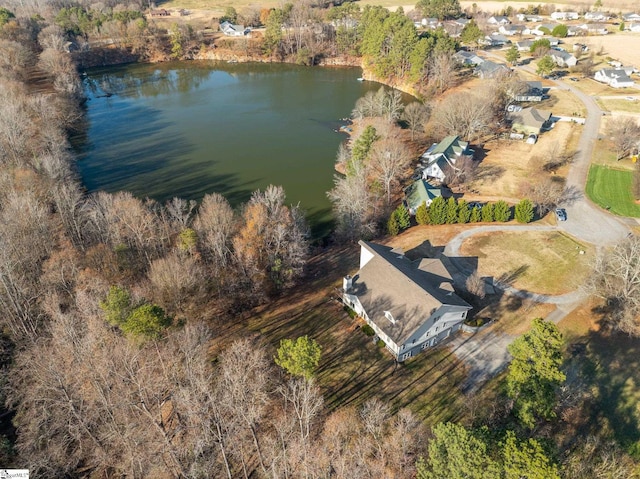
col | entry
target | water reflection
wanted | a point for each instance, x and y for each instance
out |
(187, 129)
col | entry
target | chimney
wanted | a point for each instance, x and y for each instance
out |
(347, 282)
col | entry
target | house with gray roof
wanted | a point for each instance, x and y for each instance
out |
(467, 58)
(529, 120)
(441, 157)
(565, 15)
(511, 30)
(614, 77)
(498, 20)
(489, 69)
(523, 17)
(631, 17)
(524, 45)
(494, 40)
(419, 193)
(562, 58)
(411, 305)
(232, 30)
(534, 92)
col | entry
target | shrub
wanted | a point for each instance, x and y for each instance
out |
(380, 343)
(352, 314)
(392, 225)
(464, 213)
(524, 211)
(501, 211)
(487, 213)
(437, 211)
(422, 215)
(146, 321)
(560, 31)
(451, 211)
(368, 330)
(403, 217)
(476, 216)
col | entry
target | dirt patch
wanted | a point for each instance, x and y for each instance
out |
(542, 262)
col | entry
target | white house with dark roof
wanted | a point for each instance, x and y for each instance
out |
(614, 77)
(498, 20)
(232, 30)
(411, 305)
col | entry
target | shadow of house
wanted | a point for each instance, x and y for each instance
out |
(411, 305)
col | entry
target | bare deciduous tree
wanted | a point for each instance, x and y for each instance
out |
(466, 114)
(475, 285)
(616, 278)
(390, 159)
(416, 115)
(215, 224)
(442, 69)
(624, 133)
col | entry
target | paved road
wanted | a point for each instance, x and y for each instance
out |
(585, 220)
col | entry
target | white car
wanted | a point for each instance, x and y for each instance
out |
(532, 138)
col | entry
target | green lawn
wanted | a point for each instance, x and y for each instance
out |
(611, 188)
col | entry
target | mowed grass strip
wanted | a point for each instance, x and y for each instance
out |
(539, 261)
(611, 189)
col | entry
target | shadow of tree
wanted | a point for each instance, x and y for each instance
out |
(509, 277)
(489, 172)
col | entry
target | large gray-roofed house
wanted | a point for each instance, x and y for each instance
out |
(530, 120)
(411, 305)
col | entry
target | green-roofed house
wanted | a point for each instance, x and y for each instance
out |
(420, 192)
(441, 157)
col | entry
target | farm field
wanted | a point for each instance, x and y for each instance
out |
(611, 189)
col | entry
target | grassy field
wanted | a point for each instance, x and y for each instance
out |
(553, 266)
(622, 105)
(611, 188)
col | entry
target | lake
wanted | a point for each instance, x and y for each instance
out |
(190, 128)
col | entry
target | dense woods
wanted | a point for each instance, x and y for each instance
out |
(110, 305)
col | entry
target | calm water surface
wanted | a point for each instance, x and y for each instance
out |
(187, 129)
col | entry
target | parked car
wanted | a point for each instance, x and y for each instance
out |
(573, 79)
(474, 204)
(532, 138)
(561, 214)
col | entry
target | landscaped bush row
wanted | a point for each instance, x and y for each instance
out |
(450, 211)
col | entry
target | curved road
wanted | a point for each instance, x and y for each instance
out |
(585, 220)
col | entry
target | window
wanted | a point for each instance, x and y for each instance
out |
(389, 316)
(406, 356)
(424, 345)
